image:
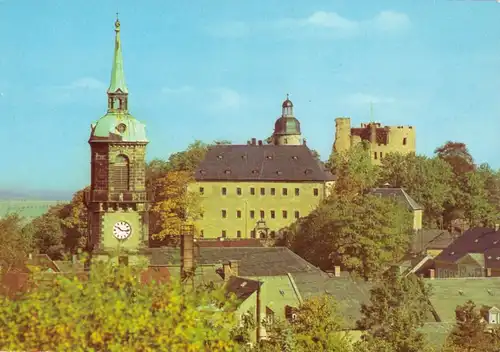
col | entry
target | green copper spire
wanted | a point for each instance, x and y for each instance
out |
(117, 73)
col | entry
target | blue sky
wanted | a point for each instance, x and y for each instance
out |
(220, 69)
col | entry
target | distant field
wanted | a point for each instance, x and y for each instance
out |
(29, 209)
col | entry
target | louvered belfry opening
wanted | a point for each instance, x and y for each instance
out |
(120, 173)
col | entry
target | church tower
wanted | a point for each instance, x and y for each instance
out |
(287, 127)
(117, 201)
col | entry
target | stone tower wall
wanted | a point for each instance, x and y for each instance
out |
(342, 141)
(401, 139)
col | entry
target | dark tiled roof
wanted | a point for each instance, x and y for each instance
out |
(432, 239)
(250, 242)
(478, 240)
(399, 194)
(254, 261)
(349, 293)
(241, 287)
(261, 163)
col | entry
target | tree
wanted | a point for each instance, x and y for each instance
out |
(430, 181)
(175, 205)
(74, 217)
(363, 234)
(315, 328)
(48, 233)
(457, 156)
(354, 171)
(398, 308)
(470, 333)
(16, 243)
(111, 310)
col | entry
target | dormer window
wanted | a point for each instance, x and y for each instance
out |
(220, 156)
(244, 156)
(269, 157)
(295, 157)
(452, 253)
(307, 171)
(227, 172)
(255, 172)
(203, 172)
(279, 172)
(476, 240)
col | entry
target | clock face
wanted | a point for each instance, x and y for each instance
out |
(122, 230)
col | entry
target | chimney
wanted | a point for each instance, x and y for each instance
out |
(260, 142)
(431, 274)
(254, 141)
(187, 254)
(235, 267)
(336, 271)
(226, 268)
(488, 272)
(497, 227)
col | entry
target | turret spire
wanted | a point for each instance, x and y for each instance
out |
(117, 91)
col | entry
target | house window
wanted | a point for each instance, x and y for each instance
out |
(285, 214)
(224, 191)
(252, 233)
(297, 215)
(262, 191)
(119, 175)
(238, 191)
(297, 192)
(273, 214)
(223, 234)
(380, 155)
(269, 316)
(224, 213)
(262, 214)
(316, 192)
(238, 214)
(252, 191)
(375, 155)
(202, 190)
(238, 234)
(273, 191)
(404, 141)
(252, 214)
(285, 191)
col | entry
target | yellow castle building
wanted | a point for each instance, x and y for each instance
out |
(254, 190)
(381, 139)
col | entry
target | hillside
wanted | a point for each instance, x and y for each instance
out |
(29, 209)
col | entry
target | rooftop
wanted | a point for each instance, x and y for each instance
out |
(261, 163)
(399, 194)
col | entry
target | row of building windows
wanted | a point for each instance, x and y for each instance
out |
(272, 214)
(284, 191)
(253, 234)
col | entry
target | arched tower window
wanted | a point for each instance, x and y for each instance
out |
(120, 172)
(404, 141)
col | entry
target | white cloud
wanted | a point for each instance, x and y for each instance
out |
(391, 21)
(87, 83)
(180, 90)
(366, 99)
(226, 99)
(330, 20)
(85, 88)
(232, 29)
(324, 21)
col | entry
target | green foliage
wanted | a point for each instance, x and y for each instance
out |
(362, 234)
(470, 333)
(354, 170)
(429, 181)
(48, 234)
(16, 243)
(111, 310)
(457, 156)
(398, 308)
(316, 328)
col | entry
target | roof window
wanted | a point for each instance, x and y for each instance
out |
(203, 172)
(255, 172)
(279, 172)
(227, 172)
(220, 156)
(295, 157)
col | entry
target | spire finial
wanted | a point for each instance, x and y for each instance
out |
(287, 96)
(117, 23)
